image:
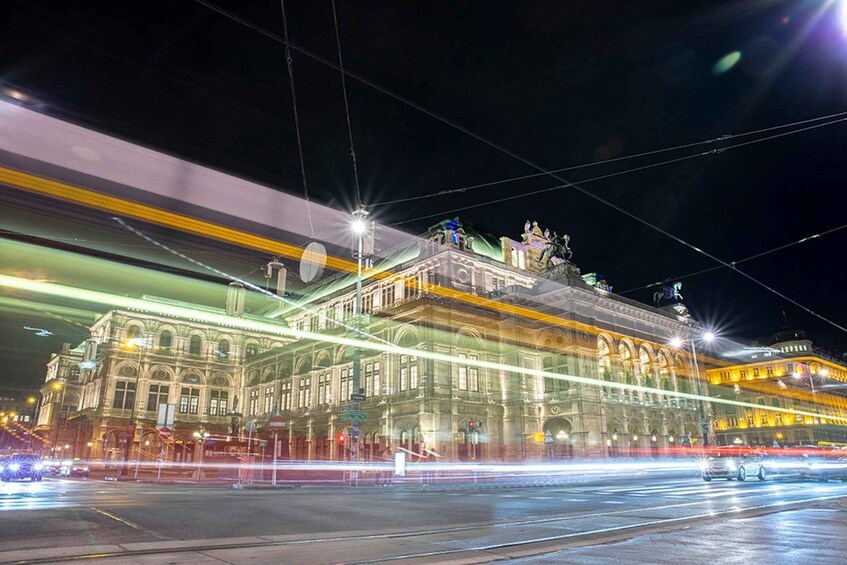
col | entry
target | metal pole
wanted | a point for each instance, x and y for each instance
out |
(704, 426)
(357, 352)
(132, 414)
(276, 443)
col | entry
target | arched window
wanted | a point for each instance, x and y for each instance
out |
(604, 359)
(195, 345)
(133, 332)
(251, 350)
(223, 349)
(665, 382)
(625, 355)
(73, 373)
(166, 339)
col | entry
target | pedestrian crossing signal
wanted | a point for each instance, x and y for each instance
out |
(341, 439)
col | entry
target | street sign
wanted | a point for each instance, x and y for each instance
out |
(165, 432)
(348, 408)
(130, 430)
(277, 422)
(360, 396)
(250, 426)
(353, 416)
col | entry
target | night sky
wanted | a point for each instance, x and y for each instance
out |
(557, 83)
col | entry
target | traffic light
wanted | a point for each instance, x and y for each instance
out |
(341, 439)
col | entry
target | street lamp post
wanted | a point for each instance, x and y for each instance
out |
(201, 438)
(35, 402)
(57, 386)
(360, 228)
(676, 342)
(132, 344)
(798, 375)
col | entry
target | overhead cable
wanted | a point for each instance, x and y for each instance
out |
(512, 154)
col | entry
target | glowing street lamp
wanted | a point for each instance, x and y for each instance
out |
(677, 342)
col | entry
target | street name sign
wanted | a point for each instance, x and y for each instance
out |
(353, 416)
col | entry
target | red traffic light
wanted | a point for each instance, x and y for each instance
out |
(341, 438)
(471, 424)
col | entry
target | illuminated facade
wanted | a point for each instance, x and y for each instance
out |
(508, 334)
(788, 374)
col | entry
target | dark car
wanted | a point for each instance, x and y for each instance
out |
(19, 467)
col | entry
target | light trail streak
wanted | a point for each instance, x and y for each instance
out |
(103, 298)
(150, 214)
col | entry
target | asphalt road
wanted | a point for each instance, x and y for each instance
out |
(320, 525)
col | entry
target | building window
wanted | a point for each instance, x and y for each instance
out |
(770, 372)
(195, 345)
(388, 295)
(269, 399)
(778, 419)
(468, 375)
(223, 349)
(346, 385)
(124, 395)
(158, 394)
(324, 390)
(756, 372)
(347, 310)
(408, 372)
(304, 393)
(732, 421)
(372, 378)
(218, 400)
(251, 350)
(166, 340)
(285, 396)
(254, 402)
(742, 374)
(368, 303)
(764, 419)
(555, 364)
(189, 400)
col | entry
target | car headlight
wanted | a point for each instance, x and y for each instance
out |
(2, 468)
(14, 466)
(38, 466)
(67, 463)
(731, 465)
(86, 469)
(704, 466)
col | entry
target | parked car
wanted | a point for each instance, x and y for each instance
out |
(19, 467)
(734, 463)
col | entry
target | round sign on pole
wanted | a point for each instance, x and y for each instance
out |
(165, 432)
(130, 431)
(250, 426)
(312, 262)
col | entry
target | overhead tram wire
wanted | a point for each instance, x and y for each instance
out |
(347, 109)
(619, 173)
(738, 262)
(289, 63)
(720, 139)
(512, 154)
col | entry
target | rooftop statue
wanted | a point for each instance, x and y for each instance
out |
(669, 292)
(557, 247)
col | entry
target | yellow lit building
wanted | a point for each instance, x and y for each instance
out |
(788, 374)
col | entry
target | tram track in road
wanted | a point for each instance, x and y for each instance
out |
(514, 538)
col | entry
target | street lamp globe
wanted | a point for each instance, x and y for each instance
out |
(709, 337)
(676, 342)
(358, 226)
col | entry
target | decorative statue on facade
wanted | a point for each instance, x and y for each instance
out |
(670, 292)
(556, 247)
